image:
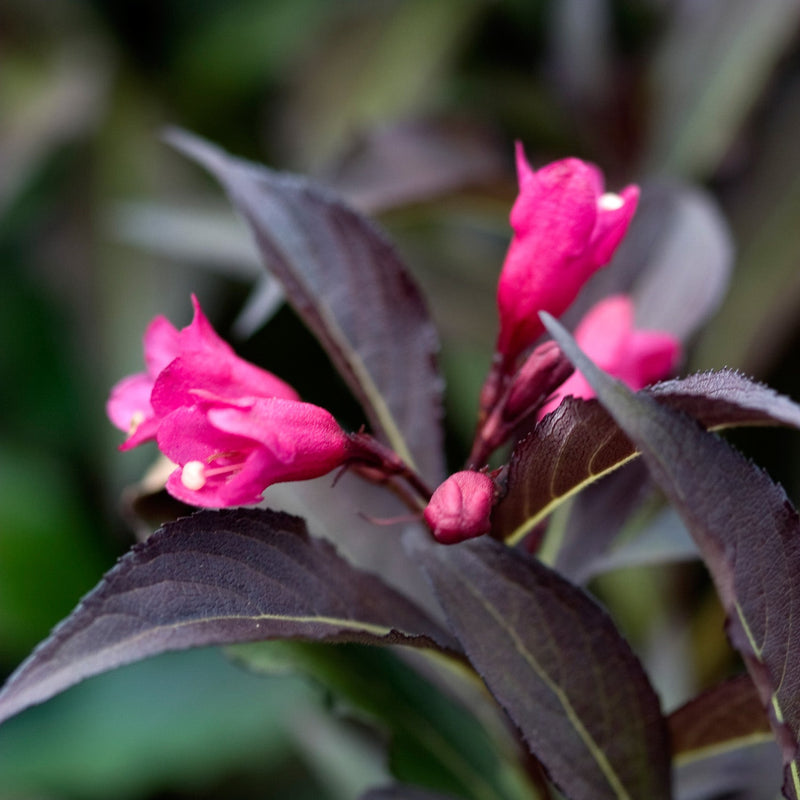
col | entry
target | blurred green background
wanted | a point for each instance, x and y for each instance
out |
(409, 107)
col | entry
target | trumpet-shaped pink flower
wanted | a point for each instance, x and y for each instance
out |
(565, 228)
(636, 357)
(231, 428)
(460, 507)
(197, 359)
(228, 452)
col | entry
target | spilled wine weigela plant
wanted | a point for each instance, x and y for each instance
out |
(482, 593)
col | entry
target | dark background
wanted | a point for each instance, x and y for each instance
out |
(103, 225)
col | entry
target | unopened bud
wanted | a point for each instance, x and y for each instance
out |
(545, 369)
(460, 507)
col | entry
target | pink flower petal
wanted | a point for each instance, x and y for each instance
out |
(304, 440)
(129, 401)
(161, 345)
(636, 357)
(565, 228)
(223, 375)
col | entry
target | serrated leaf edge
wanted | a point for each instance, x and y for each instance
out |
(596, 752)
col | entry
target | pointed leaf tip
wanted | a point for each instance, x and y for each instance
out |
(218, 577)
(347, 282)
(748, 534)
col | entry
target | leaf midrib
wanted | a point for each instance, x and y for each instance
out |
(595, 751)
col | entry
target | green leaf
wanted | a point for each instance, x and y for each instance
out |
(398, 792)
(434, 740)
(218, 578)
(748, 534)
(555, 662)
(173, 721)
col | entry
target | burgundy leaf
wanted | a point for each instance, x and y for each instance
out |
(555, 662)
(346, 281)
(746, 773)
(580, 441)
(748, 534)
(597, 516)
(218, 578)
(727, 716)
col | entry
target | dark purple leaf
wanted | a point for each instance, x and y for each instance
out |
(596, 517)
(725, 717)
(748, 534)
(580, 441)
(747, 773)
(348, 284)
(662, 540)
(555, 662)
(218, 578)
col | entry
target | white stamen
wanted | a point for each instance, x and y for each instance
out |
(193, 475)
(137, 418)
(610, 201)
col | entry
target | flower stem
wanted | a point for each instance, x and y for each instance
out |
(380, 464)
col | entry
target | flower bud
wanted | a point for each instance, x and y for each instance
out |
(460, 507)
(565, 229)
(545, 369)
(608, 336)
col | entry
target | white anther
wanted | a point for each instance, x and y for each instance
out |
(137, 418)
(610, 201)
(193, 475)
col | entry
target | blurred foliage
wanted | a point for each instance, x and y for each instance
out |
(96, 237)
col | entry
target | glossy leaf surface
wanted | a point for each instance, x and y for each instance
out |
(580, 441)
(748, 534)
(724, 717)
(348, 284)
(217, 578)
(556, 663)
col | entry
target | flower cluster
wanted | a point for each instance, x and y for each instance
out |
(232, 429)
(608, 336)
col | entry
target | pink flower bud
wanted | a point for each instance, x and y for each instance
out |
(460, 507)
(636, 357)
(543, 371)
(565, 229)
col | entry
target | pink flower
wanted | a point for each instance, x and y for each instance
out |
(228, 452)
(197, 359)
(565, 229)
(460, 507)
(231, 428)
(636, 357)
